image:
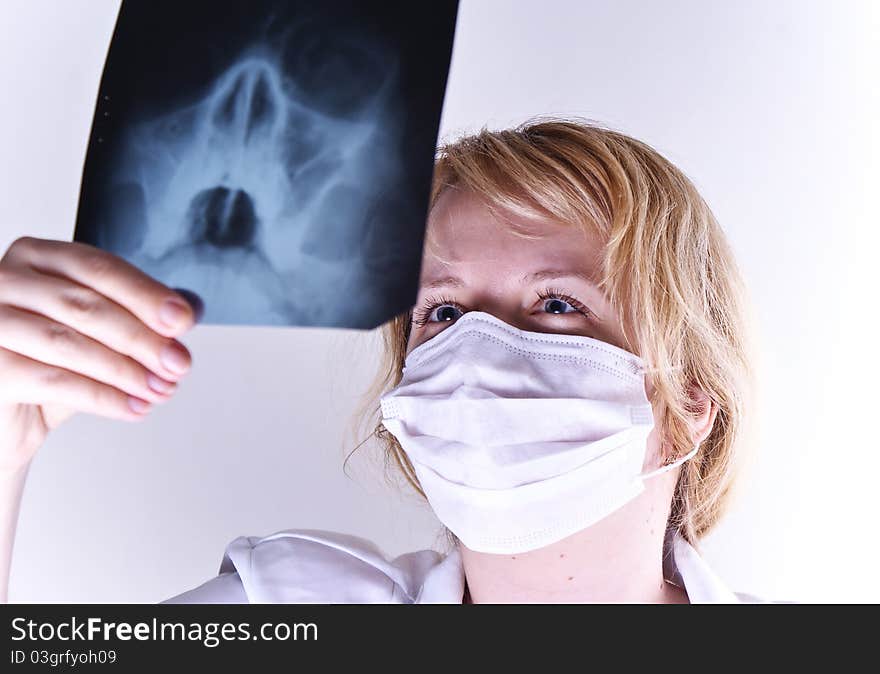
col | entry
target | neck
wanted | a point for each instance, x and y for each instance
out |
(619, 559)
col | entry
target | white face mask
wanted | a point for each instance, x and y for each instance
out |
(520, 439)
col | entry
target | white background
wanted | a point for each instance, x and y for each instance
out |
(770, 107)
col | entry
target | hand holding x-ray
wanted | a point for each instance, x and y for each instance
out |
(81, 330)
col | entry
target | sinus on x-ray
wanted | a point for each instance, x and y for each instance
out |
(272, 158)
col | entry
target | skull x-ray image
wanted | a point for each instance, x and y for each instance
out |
(271, 157)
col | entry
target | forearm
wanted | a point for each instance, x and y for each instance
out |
(11, 489)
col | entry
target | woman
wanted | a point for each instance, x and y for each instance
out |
(568, 393)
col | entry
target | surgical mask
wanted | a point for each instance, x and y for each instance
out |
(518, 438)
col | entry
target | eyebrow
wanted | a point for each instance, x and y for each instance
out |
(532, 277)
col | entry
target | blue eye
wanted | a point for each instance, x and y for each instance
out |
(554, 305)
(555, 302)
(445, 310)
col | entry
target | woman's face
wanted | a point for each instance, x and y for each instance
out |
(490, 269)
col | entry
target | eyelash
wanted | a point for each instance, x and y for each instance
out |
(421, 316)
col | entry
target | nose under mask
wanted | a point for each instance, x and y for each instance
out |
(518, 438)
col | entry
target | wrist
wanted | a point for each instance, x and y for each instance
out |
(15, 465)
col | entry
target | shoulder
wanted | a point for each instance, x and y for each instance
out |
(312, 566)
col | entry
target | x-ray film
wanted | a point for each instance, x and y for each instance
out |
(272, 157)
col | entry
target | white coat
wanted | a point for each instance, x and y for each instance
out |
(325, 567)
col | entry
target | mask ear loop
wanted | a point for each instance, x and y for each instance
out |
(670, 466)
(644, 369)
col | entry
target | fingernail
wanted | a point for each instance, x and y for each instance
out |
(173, 313)
(158, 384)
(195, 302)
(174, 358)
(137, 405)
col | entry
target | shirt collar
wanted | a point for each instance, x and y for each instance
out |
(702, 584)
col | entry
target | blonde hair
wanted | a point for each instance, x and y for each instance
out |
(667, 270)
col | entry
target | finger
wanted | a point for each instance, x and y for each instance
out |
(95, 316)
(42, 339)
(29, 381)
(163, 310)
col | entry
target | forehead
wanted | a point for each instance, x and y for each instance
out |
(463, 233)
